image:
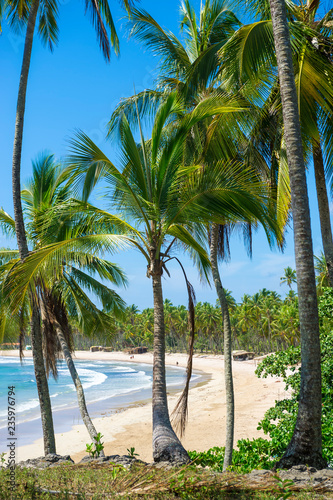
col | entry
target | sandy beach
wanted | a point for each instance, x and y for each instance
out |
(132, 427)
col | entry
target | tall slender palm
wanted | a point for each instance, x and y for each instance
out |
(25, 13)
(167, 203)
(306, 444)
(249, 57)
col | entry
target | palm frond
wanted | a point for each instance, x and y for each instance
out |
(160, 42)
(7, 223)
(22, 275)
(48, 27)
(102, 20)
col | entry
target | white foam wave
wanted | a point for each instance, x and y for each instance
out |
(91, 377)
(126, 369)
(9, 361)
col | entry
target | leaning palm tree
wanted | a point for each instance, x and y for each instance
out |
(164, 203)
(26, 14)
(63, 299)
(305, 446)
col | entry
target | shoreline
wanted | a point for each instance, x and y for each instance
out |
(131, 426)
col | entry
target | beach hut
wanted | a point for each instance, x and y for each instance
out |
(242, 355)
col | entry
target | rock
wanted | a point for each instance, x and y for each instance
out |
(125, 460)
(50, 460)
(308, 476)
(166, 465)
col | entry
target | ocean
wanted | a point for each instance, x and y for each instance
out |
(108, 386)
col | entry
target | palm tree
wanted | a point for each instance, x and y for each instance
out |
(289, 276)
(305, 446)
(322, 276)
(59, 299)
(18, 15)
(167, 203)
(192, 69)
(311, 48)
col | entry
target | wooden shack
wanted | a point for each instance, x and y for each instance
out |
(242, 355)
(138, 350)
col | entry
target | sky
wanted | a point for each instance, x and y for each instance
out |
(74, 88)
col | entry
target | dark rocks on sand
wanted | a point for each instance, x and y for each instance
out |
(301, 475)
(124, 460)
(50, 460)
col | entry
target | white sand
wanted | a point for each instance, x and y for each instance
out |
(206, 423)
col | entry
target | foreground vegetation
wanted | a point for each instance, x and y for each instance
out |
(99, 482)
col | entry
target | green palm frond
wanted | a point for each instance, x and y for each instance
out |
(7, 254)
(193, 247)
(225, 193)
(249, 54)
(17, 12)
(90, 319)
(283, 201)
(7, 223)
(111, 301)
(105, 269)
(51, 258)
(146, 103)
(102, 21)
(48, 27)
(160, 42)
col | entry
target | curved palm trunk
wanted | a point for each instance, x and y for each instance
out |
(36, 338)
(78, 386)
(324, 209)
(166, 445)
(305, 446)
(42, 385)
(229, 387)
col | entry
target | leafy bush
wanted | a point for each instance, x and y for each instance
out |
(251, 454)
(279, 421)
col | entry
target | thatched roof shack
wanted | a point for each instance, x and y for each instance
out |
(242, 355)
(138, 350)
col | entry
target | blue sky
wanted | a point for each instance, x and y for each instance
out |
(73, 88)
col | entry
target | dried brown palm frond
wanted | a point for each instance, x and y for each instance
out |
(180, 412)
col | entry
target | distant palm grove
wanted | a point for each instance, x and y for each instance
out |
(261, 323)
(218, 146)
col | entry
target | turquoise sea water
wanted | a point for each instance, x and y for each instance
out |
(108, 385)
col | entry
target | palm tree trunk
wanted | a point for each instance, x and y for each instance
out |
(324, 209)
(17, 150)
(36, 338)
(166, 445)
(305, 446)
(41, 380)
(227, 348)
(78, 386)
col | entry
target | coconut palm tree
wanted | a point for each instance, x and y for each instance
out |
(65, 298)
(191, 68)
(166, 204)
(305, 446)
(248, 57)
(26, 14)
(289, 277)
